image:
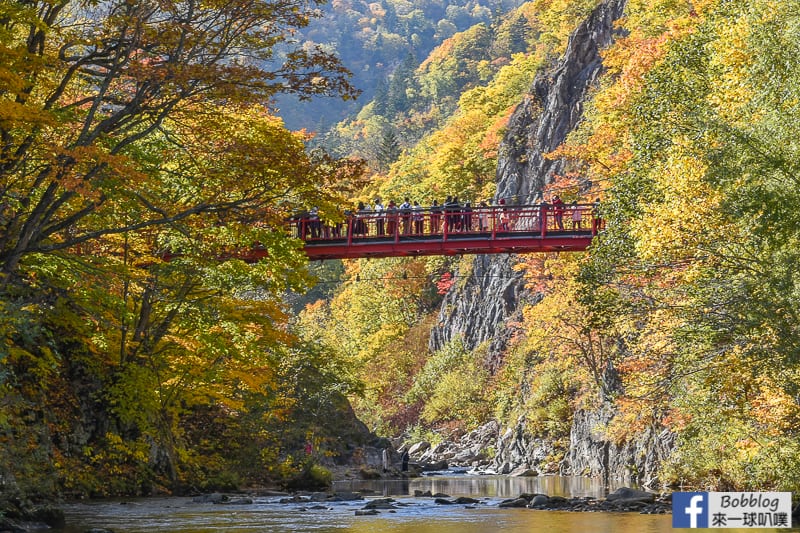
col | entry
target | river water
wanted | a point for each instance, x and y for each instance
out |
(413, 515)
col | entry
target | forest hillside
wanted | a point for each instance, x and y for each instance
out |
(681, 320)
(139, 153)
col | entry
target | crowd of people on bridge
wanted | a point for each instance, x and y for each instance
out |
(451, 216)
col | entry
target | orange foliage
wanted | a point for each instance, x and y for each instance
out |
(495, 132)
(445, 283)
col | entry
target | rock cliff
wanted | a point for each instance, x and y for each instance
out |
(486, 304)
(543, 121)
(635, 461)
(482, 307)
(492, 294)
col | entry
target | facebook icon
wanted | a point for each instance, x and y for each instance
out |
(690, 509)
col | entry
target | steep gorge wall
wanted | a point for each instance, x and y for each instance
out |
(487, 303)
(491, 296)
(482, 307)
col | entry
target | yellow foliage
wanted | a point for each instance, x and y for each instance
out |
(775, 411)
(687, 214)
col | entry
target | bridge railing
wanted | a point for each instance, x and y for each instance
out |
(450, 223)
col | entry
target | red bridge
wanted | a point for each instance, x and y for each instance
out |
(450, 231)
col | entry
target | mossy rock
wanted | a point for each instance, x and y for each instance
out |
(369, 473)
(313, 478)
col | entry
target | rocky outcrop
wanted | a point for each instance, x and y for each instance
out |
(478, 309)
(636, 460)
(491, 295)
(518, 452)
(472, 450)
(543, 121)
(487, 302)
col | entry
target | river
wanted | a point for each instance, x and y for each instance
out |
(413, 515)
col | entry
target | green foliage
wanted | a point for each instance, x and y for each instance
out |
(735, 434)
(420, 433)
(452, 383)
(389, 150)
(305, 475)
(548, 408)
(133, 177)
(697, 266)
(371, 327)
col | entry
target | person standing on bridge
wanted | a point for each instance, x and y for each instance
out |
(504, 224)
(483, 217)
(362, 213)
(418, 217)
(597, 221)
(379, 220)
(558, 211)
(466, 217)
(391, 218)
(405, 215)
(576, 216)
(436, 217)
(544, 208)
(315, 225)
(450, 207)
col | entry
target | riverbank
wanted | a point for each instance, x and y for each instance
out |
(444, 502)
(409, 515)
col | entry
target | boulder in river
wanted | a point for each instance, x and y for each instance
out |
(433, 467)
(516, 502)
(381, 503)
(627, 494)
(540, 500)
(523, 471)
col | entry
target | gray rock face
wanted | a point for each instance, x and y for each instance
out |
(491, 297)
(470, 451)
(418, 448)
(493, 293)
(517, 449)
(543, 121)
(636, 460)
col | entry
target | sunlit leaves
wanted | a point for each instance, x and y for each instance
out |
(112, 80)
(702, 266)
(139, 167)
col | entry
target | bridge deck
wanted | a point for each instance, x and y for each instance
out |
(486, 230)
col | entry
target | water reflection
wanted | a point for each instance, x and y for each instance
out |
(484, 486)
(412, 515)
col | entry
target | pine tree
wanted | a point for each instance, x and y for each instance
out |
(381, 99)
(389, 149)
(401, 81)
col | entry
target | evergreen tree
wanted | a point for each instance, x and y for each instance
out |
(381, 99)
(389, 149)
(518, 34)
(402, 80)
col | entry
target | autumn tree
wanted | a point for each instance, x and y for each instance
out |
(696, 259)
(130, 134)
(87, 89)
